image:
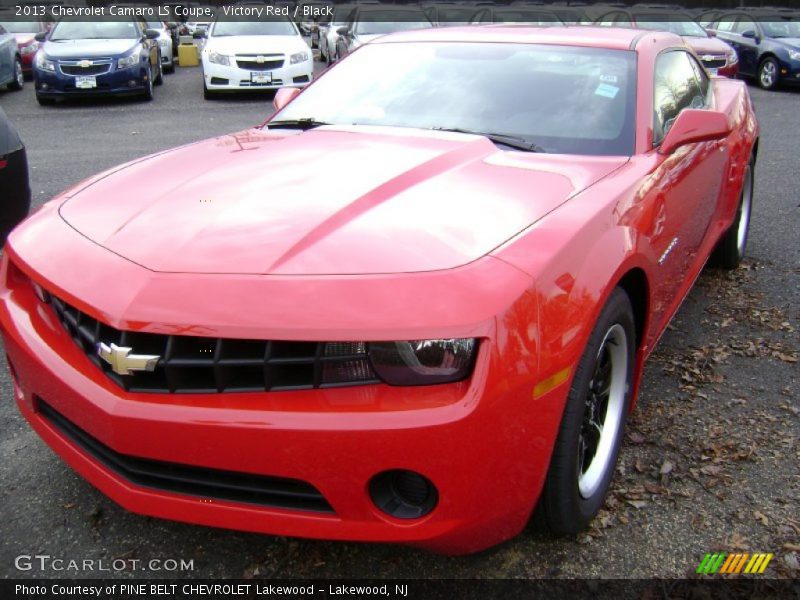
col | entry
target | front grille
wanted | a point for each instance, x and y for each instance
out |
(252, 65)
(76, 70)
(235, 486)
(202, 365)
(715, 62)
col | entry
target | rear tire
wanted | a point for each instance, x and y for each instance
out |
(592, 427)
(731, 247)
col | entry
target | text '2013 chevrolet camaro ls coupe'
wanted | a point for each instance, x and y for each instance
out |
(443, 341)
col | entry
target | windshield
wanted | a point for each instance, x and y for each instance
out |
(677, 25)
(158, 25)
(228, 28)
(382, 22)
(20, 26)
(95, 30)
(563, 99)
(781, 29)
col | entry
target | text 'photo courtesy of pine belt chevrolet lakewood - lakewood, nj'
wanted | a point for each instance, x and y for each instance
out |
(412, 305)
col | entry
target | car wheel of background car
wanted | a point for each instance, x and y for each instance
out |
(45, 101)
(148, 89)
(590, 435)
(19, 77)
(768, 73)
(731, 247)
(170, 67)
(160, 77)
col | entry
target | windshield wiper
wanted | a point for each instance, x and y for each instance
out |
(304, 124)
(512, 141)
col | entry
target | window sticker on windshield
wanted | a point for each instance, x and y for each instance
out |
(608, 78)
(606, 90)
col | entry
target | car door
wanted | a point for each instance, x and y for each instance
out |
(8, 46)
(684, 188)
(749, 36)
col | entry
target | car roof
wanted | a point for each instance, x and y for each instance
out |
(615, 38)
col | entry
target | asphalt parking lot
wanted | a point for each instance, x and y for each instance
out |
(711, 455)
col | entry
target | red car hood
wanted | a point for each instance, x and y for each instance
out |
(327, 201)
(702, 45)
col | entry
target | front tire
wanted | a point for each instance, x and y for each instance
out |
(147, 96)
(589, 438)
(731, 247)
(768, 72)
(19, 77)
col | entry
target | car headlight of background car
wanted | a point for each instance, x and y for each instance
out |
(44, 64)
(220, 59)
(298, 57)
(128, 61)
(794, 54)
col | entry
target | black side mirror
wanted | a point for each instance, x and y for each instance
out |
(152, 34)
(41, 36)
(343, 31)
(751, 34)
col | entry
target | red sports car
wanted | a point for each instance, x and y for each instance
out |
(444, 340)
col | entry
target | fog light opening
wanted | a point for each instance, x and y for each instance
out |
(403, 494)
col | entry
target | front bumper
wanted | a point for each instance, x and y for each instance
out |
(220, 77)
(790, 71)
(480, 442)
(50, 84)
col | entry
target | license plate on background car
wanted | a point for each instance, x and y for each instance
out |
(713, 71)
(261, 77)
(85, 83)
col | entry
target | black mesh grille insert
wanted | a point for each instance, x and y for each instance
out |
(201, 365)
(251, 64)
(235, 486)
(90, 70)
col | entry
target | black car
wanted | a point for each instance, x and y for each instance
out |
(16, 198)
(768, 45)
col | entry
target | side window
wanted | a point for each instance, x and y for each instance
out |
(745, 24)
(726, 24)
(2, 30)
(676, 87)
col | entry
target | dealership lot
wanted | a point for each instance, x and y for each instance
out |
(711, 457)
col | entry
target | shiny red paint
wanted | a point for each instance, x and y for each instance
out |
(520, 250)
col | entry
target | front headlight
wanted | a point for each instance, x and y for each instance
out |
(29, 48)
(298, 57)
(423, 362)
(44, 64)
(128, 61)
(794, 54)
(220, 59)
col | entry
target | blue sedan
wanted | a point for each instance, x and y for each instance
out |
(97, 58)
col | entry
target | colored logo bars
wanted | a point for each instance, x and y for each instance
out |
(730, 564)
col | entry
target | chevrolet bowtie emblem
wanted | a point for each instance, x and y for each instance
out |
(85, 63)
(123, 362)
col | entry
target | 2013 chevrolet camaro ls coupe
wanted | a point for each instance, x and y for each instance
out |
(444, 341)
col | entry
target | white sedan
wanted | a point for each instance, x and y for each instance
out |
(250, 55)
